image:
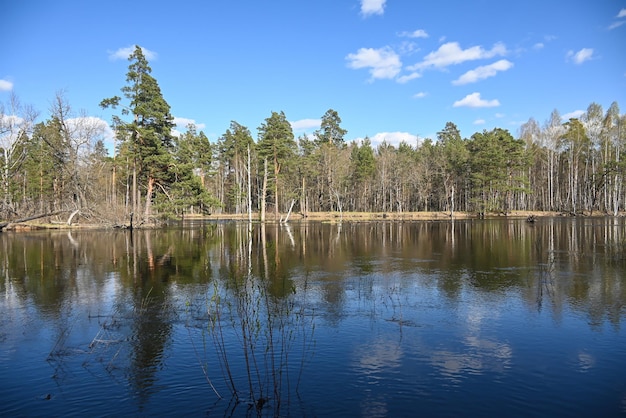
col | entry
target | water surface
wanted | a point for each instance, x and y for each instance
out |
(471, 318)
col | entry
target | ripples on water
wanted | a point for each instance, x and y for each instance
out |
(378, 319)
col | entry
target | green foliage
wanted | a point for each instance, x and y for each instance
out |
(497, 163)
(363, 161)
(575, 138)
(331, 131)
(191, 160)
(276, 140)
(277, 145)
(149, 143)
(44, 165)
(572, 166)
(233, 145)
(233, 149)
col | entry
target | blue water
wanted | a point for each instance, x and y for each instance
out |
(370, 320)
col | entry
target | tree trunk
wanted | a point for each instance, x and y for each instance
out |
(29, 218)
(303, 197)
(249, 189)
(264, 190)
(293, 201)
(71, 218)
(276, 171)
(149, 197)
(135, 187)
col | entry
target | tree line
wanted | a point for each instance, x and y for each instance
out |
(574, 166)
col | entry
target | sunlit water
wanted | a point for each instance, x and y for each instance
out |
(471, 318)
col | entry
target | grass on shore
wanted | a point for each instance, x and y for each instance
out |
(381, 216)
(316, 216)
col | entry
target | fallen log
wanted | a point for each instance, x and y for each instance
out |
(29, 218)
(69, 220)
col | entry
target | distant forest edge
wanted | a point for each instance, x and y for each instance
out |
(62, 167)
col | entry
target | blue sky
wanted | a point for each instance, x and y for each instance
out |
(392, 69)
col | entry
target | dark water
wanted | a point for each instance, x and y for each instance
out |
(472, 318)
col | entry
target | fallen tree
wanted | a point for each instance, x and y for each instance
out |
(30, 218)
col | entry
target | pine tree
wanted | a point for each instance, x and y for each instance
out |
(276, 145)
(149, 134)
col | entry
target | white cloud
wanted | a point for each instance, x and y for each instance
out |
(474, 100)
(617, 24)
(573, 115)
(538, 46)
(392, 138)
(303, 125)
(407, 48)
(372, 7)
(91, 125)
(5, 85)
(181, 125)
(10, 120)
(183, 122)
(581, 56)
(479, 122)
(485, 71)
(124, 53)
(419, 33)
(622, 13)
(499, 115)
(86, 130)
(420, 95)
(383, 62)
(405, 78)
(12, 126)
(451, 53)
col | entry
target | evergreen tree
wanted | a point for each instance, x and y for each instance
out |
(498, 163)
(192, 159)
(362, 170)
(331, 131)
(575, 145)
(233, 149)
(44, 167)
(276, 145)
(149, 133)
(453, 161)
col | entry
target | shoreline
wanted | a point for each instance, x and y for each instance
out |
(396, 216)
(327, 217)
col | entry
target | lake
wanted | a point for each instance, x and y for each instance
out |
(495, 317)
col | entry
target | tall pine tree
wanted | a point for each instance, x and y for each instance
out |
(149, 134)
(277, 146)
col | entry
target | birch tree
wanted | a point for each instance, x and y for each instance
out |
(233, 147)
(16, 123)
(594, 170)
(612, 132)
(550, 139)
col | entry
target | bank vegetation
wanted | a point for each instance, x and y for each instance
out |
(59, 170)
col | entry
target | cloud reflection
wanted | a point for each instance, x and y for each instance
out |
(373, 361)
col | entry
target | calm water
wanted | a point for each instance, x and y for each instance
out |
(471, 318)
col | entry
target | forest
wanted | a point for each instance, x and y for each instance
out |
(61, 167)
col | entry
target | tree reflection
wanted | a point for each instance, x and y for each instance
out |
(268, 317)
(249, 298)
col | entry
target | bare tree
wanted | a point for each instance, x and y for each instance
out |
(16, 122)
(551, 135)
(79, 135)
